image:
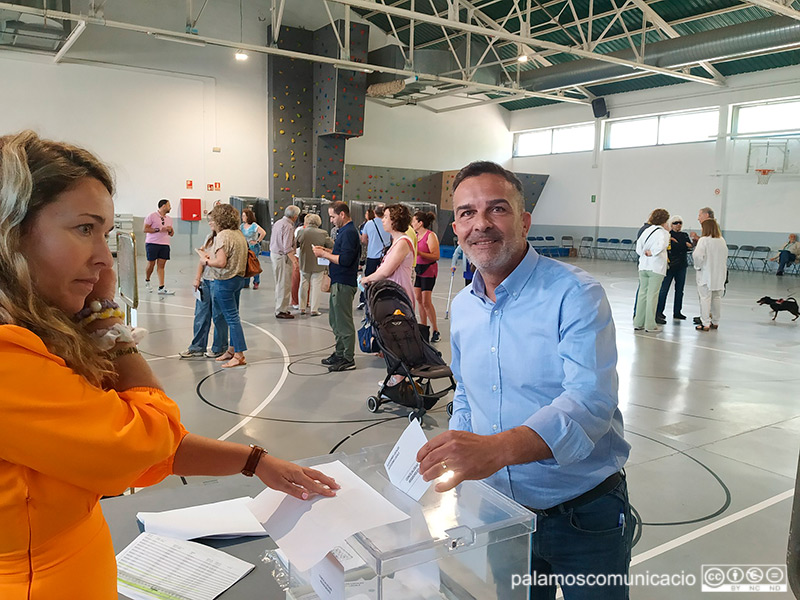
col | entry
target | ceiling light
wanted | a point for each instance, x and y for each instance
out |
(344, 67)
(241, 55)
(523, 58)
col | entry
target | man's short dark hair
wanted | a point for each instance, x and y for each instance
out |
(162, 202)
(340, 207)
(481, 167)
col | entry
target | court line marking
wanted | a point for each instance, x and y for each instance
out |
(275, 389)
(731, 352)
(710, 528)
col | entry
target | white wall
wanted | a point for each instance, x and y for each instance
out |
(412, 137)
(629, 183)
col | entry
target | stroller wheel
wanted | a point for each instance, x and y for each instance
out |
(373, 404)
(449, 409)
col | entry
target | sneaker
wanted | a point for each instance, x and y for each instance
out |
(192, 354)
(679, 317)
(284, 315)
(165, 292)
(779, 273)
(255, 286)
(656, 330)
(661, 320)
(333, 358)
(638, 328)
(435, 337)
(315, 313)
(361, 306)
(147, 286)
(343, 365)
(296, 306)
(213, 354)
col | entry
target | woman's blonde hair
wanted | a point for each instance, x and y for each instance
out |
(312, 220)
(33, 172)
(225, 216)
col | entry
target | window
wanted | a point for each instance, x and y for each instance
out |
(573, 139)
(555, 140)
(773, 116)
(673, 128)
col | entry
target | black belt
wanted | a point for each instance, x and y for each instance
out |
(593, 494)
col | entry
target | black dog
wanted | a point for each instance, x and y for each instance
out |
(789, 304)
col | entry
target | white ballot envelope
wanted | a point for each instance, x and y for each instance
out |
(402, 466)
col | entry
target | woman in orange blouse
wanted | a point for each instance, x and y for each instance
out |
(82, 413)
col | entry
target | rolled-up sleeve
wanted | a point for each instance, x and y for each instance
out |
(583, 412)
(58, 424)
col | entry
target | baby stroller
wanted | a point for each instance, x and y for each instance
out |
(397, 334)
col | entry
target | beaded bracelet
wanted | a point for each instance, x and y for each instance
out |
(103, 314)
(95, 306)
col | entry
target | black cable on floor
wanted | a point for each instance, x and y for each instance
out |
(708, 517)
(276, 420)
(356, 432)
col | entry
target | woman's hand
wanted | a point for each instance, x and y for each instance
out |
(196, 284)
(105, 288)
(648, 253)
(299, 482)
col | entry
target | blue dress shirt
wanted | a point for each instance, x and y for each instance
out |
(543, 355)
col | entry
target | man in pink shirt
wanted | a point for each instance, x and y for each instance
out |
(158, 227)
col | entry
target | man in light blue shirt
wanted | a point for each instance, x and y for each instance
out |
(377, 240)
(535, 411)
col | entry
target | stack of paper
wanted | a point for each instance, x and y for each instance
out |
(227, 519)
(155, 567)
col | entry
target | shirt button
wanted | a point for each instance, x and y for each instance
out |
(494, 349)
(494, 427)
(494, 388)
(497, 312)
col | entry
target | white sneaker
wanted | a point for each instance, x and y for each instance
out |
(165, 292)
(147, 286)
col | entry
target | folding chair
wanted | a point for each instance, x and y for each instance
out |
(744, 255)
(614, 248)
(733, 250)
(567, 242)
(761, 254)
(627, 249)
(585, 247)
(601, 247)
(550, 245)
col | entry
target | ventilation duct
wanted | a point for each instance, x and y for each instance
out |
(727, 42)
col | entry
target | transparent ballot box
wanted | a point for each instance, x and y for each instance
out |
(465, 543)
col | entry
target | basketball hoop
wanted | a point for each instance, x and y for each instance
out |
(764, 175)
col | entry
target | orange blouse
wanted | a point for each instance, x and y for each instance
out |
(64, 443)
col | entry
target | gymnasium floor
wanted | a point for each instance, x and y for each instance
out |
(713, 418)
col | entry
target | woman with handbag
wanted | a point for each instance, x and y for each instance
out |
(396, 263)
(253, 233)
(227, 258)
(311, 272)
(427, 269)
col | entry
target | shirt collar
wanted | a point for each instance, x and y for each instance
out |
(512, 285)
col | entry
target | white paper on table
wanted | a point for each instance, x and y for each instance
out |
(402, 466)
(153, 567)
(327, 578)
(306, 530)
(230, 518)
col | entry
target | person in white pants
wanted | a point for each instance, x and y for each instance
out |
(311, 271)
(711, 264)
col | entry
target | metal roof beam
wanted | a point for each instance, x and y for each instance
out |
(512, 37)
(657, 20)
(777, 7)
(345, 64)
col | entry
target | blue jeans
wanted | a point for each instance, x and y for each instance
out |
(225, 294)
(785, 258)
(595, 539)
(679, 275)
(205, 311)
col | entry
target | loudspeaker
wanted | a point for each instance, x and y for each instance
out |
(599, 108)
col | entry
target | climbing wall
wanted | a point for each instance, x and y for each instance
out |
(389, 185)
(291, 110)
(339, 97)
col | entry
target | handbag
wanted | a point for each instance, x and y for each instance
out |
(325, 286)
(253, 267)
(366, 340)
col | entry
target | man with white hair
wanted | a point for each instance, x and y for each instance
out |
(788, 254)
(281, 252)
(677, 251)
